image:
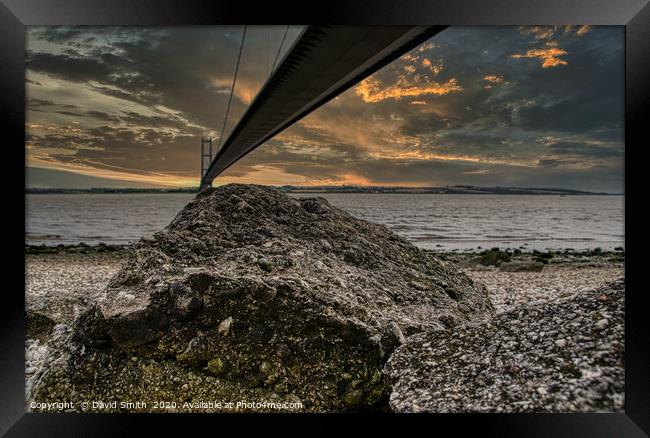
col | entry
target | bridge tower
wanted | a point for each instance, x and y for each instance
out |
(206, 159)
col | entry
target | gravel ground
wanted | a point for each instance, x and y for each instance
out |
(508, 289)
(57, 284)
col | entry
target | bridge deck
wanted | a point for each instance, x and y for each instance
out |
(323, 62)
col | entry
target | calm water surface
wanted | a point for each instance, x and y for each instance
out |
(430, 221)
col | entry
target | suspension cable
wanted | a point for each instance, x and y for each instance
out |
(232, 89)
(277, 55)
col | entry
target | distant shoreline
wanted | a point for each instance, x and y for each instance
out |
(447, 190)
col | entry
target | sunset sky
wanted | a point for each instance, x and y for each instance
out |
(510, 106)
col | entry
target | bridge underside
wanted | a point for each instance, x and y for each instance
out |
(323, 62)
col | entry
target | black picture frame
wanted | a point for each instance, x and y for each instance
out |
(16, 14)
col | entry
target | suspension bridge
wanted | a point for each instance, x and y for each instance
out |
(309, 69)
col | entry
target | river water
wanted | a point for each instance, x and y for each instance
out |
(432, 221)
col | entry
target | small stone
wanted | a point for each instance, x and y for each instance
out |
(216, 366)
(281, 388)
(397, 332)
(514, 369)
(602, 323)
(265, 265)
(265, 368)
(138, 327)
(353, 398)
(560, 343)
(224, 326)
(340, 282)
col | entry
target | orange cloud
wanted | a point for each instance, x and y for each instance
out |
(245, 89)
(416, 155)
(492, 79)
(370, 90)
(435, 68)
(539, 32)
(495, 79)
(548, 55)
(548, 32)
(409, 57)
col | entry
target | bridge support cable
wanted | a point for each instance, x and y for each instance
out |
(232, 89)
(277, 55)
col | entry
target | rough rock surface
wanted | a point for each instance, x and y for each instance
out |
(37, 326)
(557, 356)
(251, 294)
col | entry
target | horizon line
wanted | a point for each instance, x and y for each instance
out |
(335, 187)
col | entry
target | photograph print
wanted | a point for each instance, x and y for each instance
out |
(323, 219)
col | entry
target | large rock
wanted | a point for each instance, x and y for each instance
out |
(250, 294)
(560, 356)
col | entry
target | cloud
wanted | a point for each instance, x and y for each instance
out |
(84, 69)
(495, 79)
(551, 32)
(435, 68)
(539, 32)
(492, 80)
(549, 55)
(371, 91)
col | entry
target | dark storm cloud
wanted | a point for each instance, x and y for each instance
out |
(585, 150)
(67, 67)
(172, 68)
(481, 105)
(585, 94)
(35, 104)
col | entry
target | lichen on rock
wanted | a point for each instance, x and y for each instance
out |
(252, 293)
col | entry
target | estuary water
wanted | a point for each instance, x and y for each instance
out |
(432, 221)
